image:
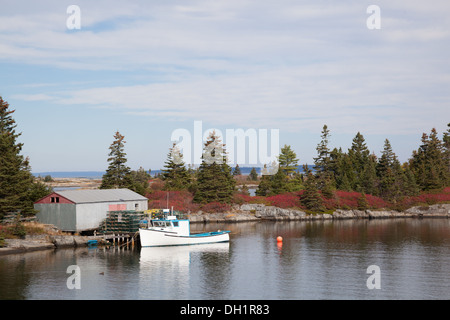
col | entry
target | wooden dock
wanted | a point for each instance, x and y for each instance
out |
(122, 239)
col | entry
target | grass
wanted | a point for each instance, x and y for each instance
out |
(20, 229)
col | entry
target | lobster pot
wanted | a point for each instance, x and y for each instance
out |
(123, 221)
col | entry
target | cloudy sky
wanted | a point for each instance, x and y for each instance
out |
(147, 68)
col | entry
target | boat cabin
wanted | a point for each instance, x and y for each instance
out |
(171, 224)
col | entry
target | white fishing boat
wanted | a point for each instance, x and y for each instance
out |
(168, 230)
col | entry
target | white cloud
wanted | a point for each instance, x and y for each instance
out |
(286, 64)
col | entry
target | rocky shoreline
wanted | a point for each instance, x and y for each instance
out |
(45, 242)
(242, 213)
(258, 212)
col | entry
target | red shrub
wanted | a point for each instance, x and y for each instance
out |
(349, 200)
(286, 200)
(180, 200)
(376, 202)
(427, 198)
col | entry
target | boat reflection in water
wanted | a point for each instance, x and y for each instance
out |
(165, 272)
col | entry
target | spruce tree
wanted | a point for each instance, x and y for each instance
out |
(370, 181)
(280, 178)
(359, 157)
(386, 160)
(175, 175)
(311, 197)
(118, 174)
(215, 182)
(391, 174)
(18, 188)
(253, 176)
(140, 180)
(288, 161)
(278, 183)
(295, 183)
(341, 169)
(322, 163)
(336, 166)
(264, 186)
(446, 141)
(410, 187)
(237, 171)
(429, 163)
(287, 177)
(362, 202)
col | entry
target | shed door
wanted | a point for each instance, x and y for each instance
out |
(117, 207)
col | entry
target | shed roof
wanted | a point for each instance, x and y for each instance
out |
(100, 195)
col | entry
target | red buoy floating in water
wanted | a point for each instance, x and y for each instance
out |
(279, 239)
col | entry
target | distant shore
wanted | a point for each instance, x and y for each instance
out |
(74, 183)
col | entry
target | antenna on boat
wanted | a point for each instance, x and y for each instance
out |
(167, 202)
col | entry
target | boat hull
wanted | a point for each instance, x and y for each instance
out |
(156, 238)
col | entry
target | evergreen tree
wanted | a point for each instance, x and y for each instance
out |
(359, 157)
(446, 141)
(288, 161)
(286, 177)
(278, 183)
(391, 175)
(345, 184)
(140, 180)
(336, 166)
(370, 181)
(362, 202)
(18, 188)
(341, 169)
(386, 160)
(429, 163)
(295, 183)
(311, 197)
(118, 174)
(253, 176)
(410, 187)
(237, 171)
(322, 164)
(215, 182)
(175, 175)
(264, 186)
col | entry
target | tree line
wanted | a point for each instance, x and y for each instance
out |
(362, 171)
(356, 169)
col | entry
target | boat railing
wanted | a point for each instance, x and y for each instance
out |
(164, 215)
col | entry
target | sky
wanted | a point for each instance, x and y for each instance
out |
(149, 68)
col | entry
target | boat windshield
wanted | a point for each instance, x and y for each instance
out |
(161, 223)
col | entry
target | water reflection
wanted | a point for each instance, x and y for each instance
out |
(169, 269)
(316, 260)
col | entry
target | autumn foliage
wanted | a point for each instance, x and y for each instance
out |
(182, 201)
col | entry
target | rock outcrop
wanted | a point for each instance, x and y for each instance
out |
(43, 242)
(256, 212)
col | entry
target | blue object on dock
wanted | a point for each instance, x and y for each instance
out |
(92, 243)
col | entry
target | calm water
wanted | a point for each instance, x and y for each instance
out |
(317, 260)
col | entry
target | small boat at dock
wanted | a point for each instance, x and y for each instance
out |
(169, 230)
